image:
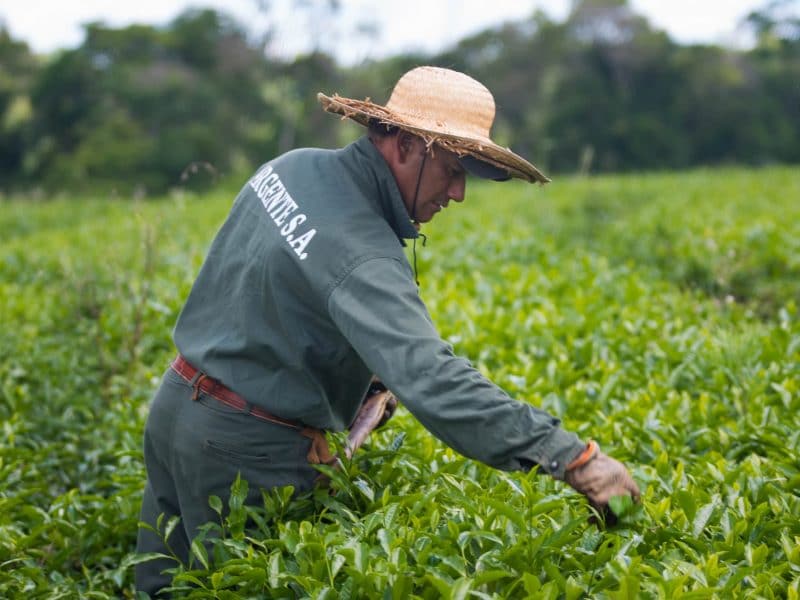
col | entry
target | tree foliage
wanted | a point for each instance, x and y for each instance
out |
(150, 108)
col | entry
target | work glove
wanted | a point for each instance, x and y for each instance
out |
(599, 477)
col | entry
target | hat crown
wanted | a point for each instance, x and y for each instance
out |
(444, 107)
(445, 101)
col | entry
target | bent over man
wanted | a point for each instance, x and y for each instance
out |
(306, 297)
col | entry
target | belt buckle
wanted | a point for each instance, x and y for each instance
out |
(196, 381)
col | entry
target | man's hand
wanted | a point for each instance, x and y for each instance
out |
(599, 477)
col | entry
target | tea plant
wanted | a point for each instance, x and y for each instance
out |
(656, 314)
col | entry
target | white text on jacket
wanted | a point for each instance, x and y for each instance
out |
(281, 208)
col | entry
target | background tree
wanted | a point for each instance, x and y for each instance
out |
(151, 108)
(18, 69)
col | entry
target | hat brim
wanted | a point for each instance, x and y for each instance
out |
(483, 149)
(483, 169)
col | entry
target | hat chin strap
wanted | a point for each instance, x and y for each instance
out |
(414, 217)
(416, 191)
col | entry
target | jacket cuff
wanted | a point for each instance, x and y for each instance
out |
(560, 449)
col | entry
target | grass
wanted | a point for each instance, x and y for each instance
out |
(656, 313)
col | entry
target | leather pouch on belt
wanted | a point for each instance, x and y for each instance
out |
(319, 453)
(374, 411)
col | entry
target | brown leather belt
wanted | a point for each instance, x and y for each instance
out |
(201, 382)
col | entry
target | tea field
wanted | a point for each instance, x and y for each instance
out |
(657, 314)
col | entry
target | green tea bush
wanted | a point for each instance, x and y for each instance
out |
(657, 314)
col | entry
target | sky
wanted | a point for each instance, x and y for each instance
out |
(422, 25)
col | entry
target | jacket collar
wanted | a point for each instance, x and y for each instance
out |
(379, 185)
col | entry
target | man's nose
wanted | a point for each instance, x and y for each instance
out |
(457, 189)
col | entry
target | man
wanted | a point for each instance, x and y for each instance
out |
(306, 295)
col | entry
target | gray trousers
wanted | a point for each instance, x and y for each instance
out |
(196, 448)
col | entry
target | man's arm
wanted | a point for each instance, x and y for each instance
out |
(378, 309)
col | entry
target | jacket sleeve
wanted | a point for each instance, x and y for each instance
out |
(378, 309)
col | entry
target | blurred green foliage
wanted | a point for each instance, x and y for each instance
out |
(657, 314)
(142, 109)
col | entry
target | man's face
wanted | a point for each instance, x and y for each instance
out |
(443, 179)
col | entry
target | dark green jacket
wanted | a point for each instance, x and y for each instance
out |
(306, 292)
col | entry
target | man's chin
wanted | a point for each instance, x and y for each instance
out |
(428, 215)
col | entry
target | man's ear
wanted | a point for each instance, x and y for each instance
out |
(406, 145)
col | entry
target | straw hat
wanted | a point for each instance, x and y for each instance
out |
(443, 107)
